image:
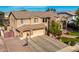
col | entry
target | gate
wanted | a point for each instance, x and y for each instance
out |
(8, 34)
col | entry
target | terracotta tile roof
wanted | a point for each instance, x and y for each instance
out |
(30, 14)
(31, 27)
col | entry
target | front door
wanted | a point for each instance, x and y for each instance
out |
(28, 35)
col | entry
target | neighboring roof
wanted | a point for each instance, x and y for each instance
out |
(45, 43)
(30, 27)
(30, 14)
(7, 14)
(72, 12)
(68, 12)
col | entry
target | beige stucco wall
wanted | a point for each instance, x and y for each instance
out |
(24, 35)
(26, 22)
(29, 21)
(46, 24)
(12, 21)
(57, 20)
(39, 20)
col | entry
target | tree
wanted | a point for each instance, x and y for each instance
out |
(1, 18)
(1, 12)
(23, 10)
(77, 19)
(1, 24)
(55, 28)
(77, 11)
(51, 9)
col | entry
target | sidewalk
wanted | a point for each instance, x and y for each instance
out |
(69, 36)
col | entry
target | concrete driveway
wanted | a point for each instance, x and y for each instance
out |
(2, 46)
(45, 44)
(14, 44)
(36, 44)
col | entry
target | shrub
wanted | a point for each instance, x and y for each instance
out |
(55, 28)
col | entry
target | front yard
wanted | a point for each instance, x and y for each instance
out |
(70, 41)
(74, 33)
(64, 39)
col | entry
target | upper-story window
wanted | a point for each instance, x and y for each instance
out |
(44, 19)
(35, 20)
(22, 21)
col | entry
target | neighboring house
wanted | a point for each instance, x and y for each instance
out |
(6, 20)
(31, 24)
(2, 20)
(1, 16)
(69, 16)
(66, 17)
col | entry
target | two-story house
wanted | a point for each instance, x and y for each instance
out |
(30, 24)
(70, 15)
(67, 17)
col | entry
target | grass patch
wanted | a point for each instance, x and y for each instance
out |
(64, 39)
(74, 33)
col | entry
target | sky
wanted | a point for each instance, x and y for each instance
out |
(37, 8)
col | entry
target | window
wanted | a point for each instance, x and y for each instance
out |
(35, 20)
(44, 19)
(22, 21)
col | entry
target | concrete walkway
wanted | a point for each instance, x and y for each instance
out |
(69, 36)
